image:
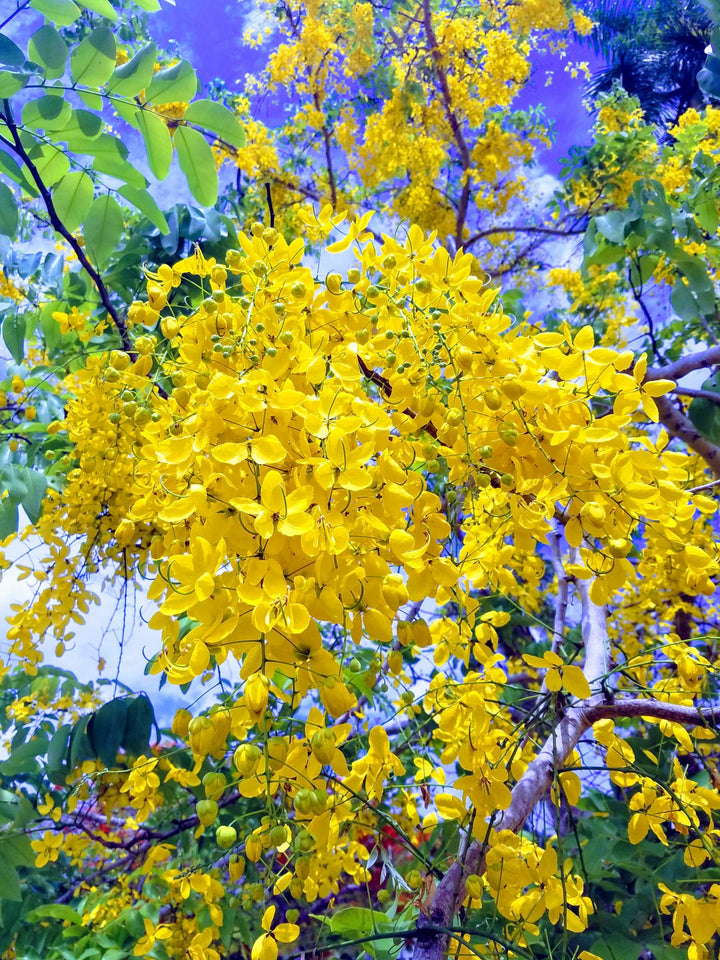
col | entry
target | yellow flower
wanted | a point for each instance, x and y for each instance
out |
(47, 849)
(265, 947)
(559, 674)
(152, 935)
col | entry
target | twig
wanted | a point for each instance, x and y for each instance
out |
(701, 394)
(15, 12)
(271, 208)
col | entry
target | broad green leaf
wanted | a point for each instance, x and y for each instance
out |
(8, 212)
(60, 12)
(72, 197)
(36, 488)
(105, 145)
(51, 163)
(22, 760)
(10, 82)
(10, 167)
(158, 143)
(48, 48)
(92, 61)
(132, 77)
(138, 725)
(16, 848)
(92, 100)
(612, 226)
(80, 746)
(106, 730)
(152, 6)
(173, 83)
(198, 164)
(57, 753)
(83, 124)
(8, 517)
(706, 211)
(103, 7)
(53, 911)
(9, 881)
(358, 922)
(217, 119)
(13, 331)
(10, 53)
(705, 414)
(683, 302)
(146, 205)
(46, 113)
(103, 229)
(124, 171)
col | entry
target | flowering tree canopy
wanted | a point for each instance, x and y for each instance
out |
(434, 577)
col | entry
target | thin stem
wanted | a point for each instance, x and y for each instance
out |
(15, 12)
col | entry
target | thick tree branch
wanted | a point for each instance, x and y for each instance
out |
(60, 227)
(680, 426)
(685, 365)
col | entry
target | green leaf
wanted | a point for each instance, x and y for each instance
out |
(173, 83)
(9, 881)
(53, 911)
(198, 164)
(705, 414)
(103, 229)
(73, 197)
(146, 205)
(13, 331)
(358, 922)
(8, 214)
(57, 753)
(60, 12)
(138, 725)
(22, 760)
(8, 517)
(92, 62)
(152, 6)
(683, 302)
(83, 125)
(612, 226)
(10, 167)
(132, 77)
(52, 163)
(80, 746)
(32, 501)
(10, 53)
(103, 7)
(16, 848)
(46, 113)
(10, 83)
(48, 48)
(110, 157)
(106, 730)
(158, 143)
(706, 211)
(217, 119)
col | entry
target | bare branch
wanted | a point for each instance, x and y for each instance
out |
(685, 365)
(680, 426)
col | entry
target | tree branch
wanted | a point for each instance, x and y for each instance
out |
(680, 426)
(685, 365)
(60, 227)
